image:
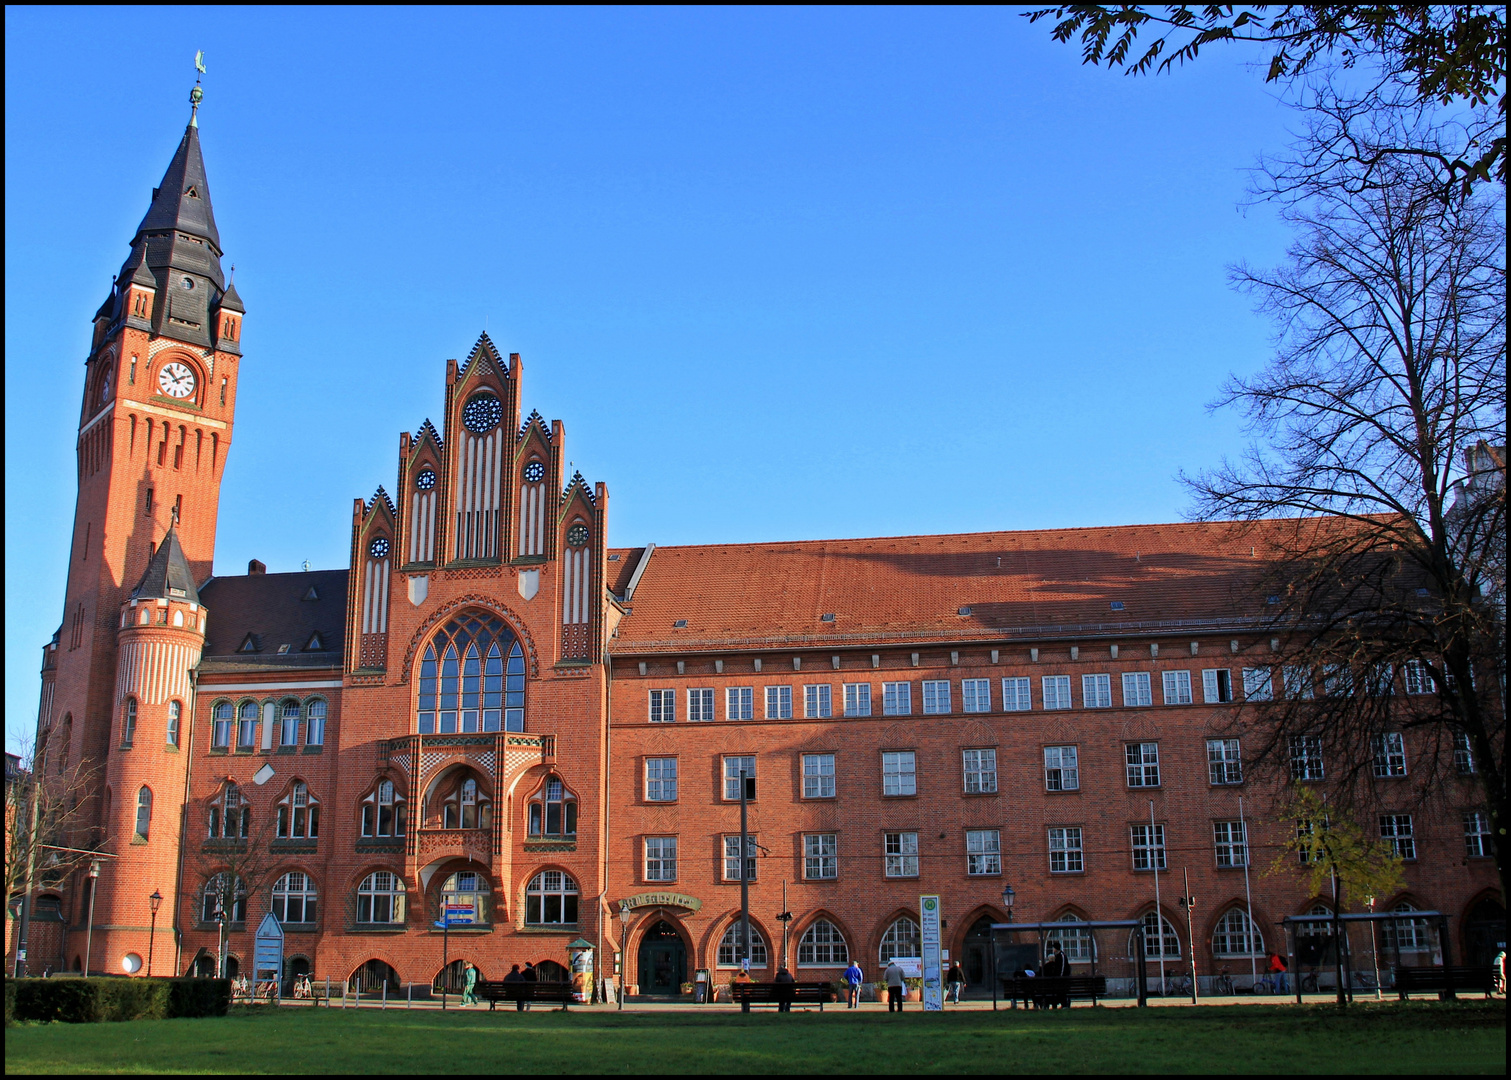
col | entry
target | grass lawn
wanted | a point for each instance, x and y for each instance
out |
(1427, 1037)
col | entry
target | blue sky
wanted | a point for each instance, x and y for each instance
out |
(784, 274)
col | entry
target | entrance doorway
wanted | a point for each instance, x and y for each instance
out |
(1484, 932)
(663, 960)
(976, 958)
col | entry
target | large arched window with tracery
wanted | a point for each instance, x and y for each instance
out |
(472, 678)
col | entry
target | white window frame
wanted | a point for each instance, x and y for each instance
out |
(700, 704)
(1399, 832)
(779, 703)
(1136, 690)
(1390, 755)
(975, 695)
(901, 854)
(1177, 686)
(1058, 775)
(1217, 686)
(818, 701)
(662, 706)
(936, 696)
(895, 775)
(1067, 852)
(1096, 691)
(1417, 677)
(1235, 924)
(983, 852)
(820, 856)
(1141, 760)
(1230, 843)
(739, 703)
(1224, 762)
(857, 699)
(659, 766)
(1054, 691)
(1477, 834)
(832, 952)
(897, 699)
(1017, 694)
(979, 767)
(732, 779)
(1463, 754)
(1306, 758)
(818, 776)
(660, 858)
(1296, 682)
(1259, 684)
(1146, 848)
(731, 858)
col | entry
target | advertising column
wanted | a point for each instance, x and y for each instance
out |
(933, 987)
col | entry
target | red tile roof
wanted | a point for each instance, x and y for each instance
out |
(912, 588)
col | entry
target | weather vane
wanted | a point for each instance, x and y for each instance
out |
(196, 95)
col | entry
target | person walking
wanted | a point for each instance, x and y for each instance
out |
(1056, 966)
(530, 975)
(955, 980)
(1277, 972)
(893, 978)
(784, 980)
(519, 997)
(1498, 973)
(469, 986)
(853, 978)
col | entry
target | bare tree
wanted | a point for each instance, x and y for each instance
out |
(234, 865)
(45, 838)
(1387, 596)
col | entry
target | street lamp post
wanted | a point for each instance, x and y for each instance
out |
(624, 950)
(94, 881)
(1374, 948)
(1009, 894)
(155, 901)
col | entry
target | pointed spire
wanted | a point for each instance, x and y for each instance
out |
(167, 576)
(142, 275)
(231, 301)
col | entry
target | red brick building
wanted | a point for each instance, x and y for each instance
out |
(493, 712)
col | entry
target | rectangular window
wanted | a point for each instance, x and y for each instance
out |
(1065, 852)
(1216, 685)
(898, 775)
(733, 767)
(1306, 757)
(980, 771)
(661, 779)
(1296, 683)
(1056, 690)
(820, 856)
(1136, 689)
(314, 732)
(857, 699)
(1148, 847)
(779, 703)
(663, 706)
(976, 695)
(1224, 766)
(1177, 687)
(817, 702)
(983, 851)
(661, 858)
(1258, 684)
(902, 854)
(936, 696)
(1390, 754)
(700, 705)
(1096, 691)
(1337, 680)
(288, 727)
(1418, 679)
(222, 727)
(1143, 764)
(818, 776)
(1061, 769)
(1463, 754)
(1016, 696)
(1231, 843)
(1477, 834)
(1396, 829)
(896, 699)
(732, 857)
(246, 727)
(739, 703)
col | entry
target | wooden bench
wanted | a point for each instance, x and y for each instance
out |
(559, 993)
(797, 993)
(1422, 980)
(1047, 989)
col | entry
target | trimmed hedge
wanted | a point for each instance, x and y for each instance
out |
(88, 1001)
(10, 1001)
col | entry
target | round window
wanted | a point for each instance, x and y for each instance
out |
(426, 480)
(482, 414)
(379, 548)
(577, 535)
(535, 472)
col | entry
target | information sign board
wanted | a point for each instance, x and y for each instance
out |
(933, 982)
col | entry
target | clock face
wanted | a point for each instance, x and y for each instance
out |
(535, 472)
(482, 414)
(425, 480)
(176, 380)
(577, 535)
(379, 548)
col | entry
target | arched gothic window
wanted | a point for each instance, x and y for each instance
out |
(1236, 935)
(1153, 923)
(288, 727)
(224, 715)
(467, 889)
(175, 713)
(460, 803)
(230, 816)
(216, 893)
(729, 947)
(1078, 945)
(246, 727)
(380, 898)
(314, 734)
(901, 939)
(383, 811)
(551, 898)
(294, 897)
(822, 946)
(553, 810)
(143, 812)
(472, 678)
(1407, 935)
(298, 814)
(128, 723)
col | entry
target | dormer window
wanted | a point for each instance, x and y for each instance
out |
(553, 810)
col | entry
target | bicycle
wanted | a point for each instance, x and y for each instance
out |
(1265, 985)
(1362, 980)
(1309, 983)
(1177, 986)
(1223, 984)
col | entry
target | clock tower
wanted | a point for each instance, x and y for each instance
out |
(155, 430)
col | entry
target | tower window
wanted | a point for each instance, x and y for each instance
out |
(128, 724)
(148, 507)
(143, 812)
(175, 711)
(223, 380)
(131, 377)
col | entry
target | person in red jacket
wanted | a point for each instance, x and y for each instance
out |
(1277, 972)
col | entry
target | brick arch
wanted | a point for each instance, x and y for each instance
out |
(720, 926)
(803, 925)
(446, 611)
(885, 924)
(1217, 911)
(968, 920)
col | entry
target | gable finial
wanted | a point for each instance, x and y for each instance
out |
(196, 95)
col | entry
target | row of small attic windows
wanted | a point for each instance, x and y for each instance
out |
(252, 643)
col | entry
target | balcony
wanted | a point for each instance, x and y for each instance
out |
(474, 844)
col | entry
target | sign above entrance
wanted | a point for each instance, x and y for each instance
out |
(661, 899)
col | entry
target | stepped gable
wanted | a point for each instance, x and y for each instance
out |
(914, 588)
(275, 610)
